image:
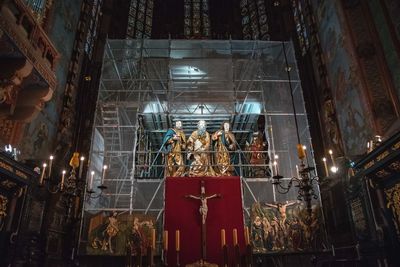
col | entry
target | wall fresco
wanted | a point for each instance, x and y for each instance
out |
(354, 119)
(39, 136)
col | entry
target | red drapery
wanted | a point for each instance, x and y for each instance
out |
(183, 214)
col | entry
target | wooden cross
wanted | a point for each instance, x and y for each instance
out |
(203, 211)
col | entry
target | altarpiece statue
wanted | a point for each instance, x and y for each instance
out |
(174, 143)
(224, 143)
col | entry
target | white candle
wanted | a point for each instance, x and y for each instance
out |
(104, 174)
(50, 165)
(81, 167)
(331, 154)
(43, 173)
(297, 171)
(91, 180)
(276, 167)
(326, 167)
(62, 180)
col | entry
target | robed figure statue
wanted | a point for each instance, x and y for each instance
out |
(198, 147)
(224, 143)
(174, 143)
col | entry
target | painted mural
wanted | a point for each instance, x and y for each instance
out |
(392, 55)
(285, 227)
(115, 234)
(40, 134)
(355, 121)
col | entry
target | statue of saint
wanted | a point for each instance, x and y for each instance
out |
(111, 231)
(174, 143)
(198, 147)
(258, 156)
(225, 142)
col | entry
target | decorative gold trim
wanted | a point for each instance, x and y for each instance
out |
(382, 156)
(393, 203)
(3, 210)
(382, 173)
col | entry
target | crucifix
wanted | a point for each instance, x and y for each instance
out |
(203, 212)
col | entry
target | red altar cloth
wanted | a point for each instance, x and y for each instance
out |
(183, 214)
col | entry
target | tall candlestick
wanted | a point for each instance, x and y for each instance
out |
(50, 165)
(223, 240)
(153, 238)
(235, 238)
(81, 167)
(91, 180)
(62, 180)
(43, 173)
(104, 174)
(177, 240)
(325, 167)
(165, 240)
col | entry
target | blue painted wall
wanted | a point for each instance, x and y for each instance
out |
(39, 136)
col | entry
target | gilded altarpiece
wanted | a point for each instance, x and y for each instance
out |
(392, 195)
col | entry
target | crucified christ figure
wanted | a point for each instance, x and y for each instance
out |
(203, 212)
(282, 209)
(203, 198)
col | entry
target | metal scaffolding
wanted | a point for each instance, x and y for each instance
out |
(148, 85)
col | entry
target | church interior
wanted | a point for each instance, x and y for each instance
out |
(199, 133)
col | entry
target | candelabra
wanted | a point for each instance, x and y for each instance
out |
(305, 183)
(71, 186)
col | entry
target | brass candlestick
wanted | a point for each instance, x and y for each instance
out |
(225, 258)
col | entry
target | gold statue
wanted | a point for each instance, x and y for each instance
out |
(225, 142)
(198, 146)
(174, 143)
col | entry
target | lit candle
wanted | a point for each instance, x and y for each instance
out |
(246, 235)
(91, 180)
(50, 165)
(62, 180)
(165, 240)
(276, 167)
(153, 238)
(297, 171)
(326, 167)
(104, 174)
(305, 153)
(235, 238)
(81, 167)
(223, 240)
(177, 240)
(43, 173)
(300, 151)
(331, 154)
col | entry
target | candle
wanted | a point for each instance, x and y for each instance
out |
(325, 167)
(276, 167)
(165, 240)
(297, 171)
(104, 174)
(246, 235)
(223, 240)
(300, 151)
(235, 240)
(62, 180)
(153, 238)
(305, 153)
(177, 240)
(81, 166)
(91, 180)
(43, 173)
(331, 154)
(50, 165)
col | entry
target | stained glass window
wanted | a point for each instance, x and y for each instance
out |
(40, 8)
(300, 23)
(140, 19)
(197, 20)
(254, 20)
(92, 30)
